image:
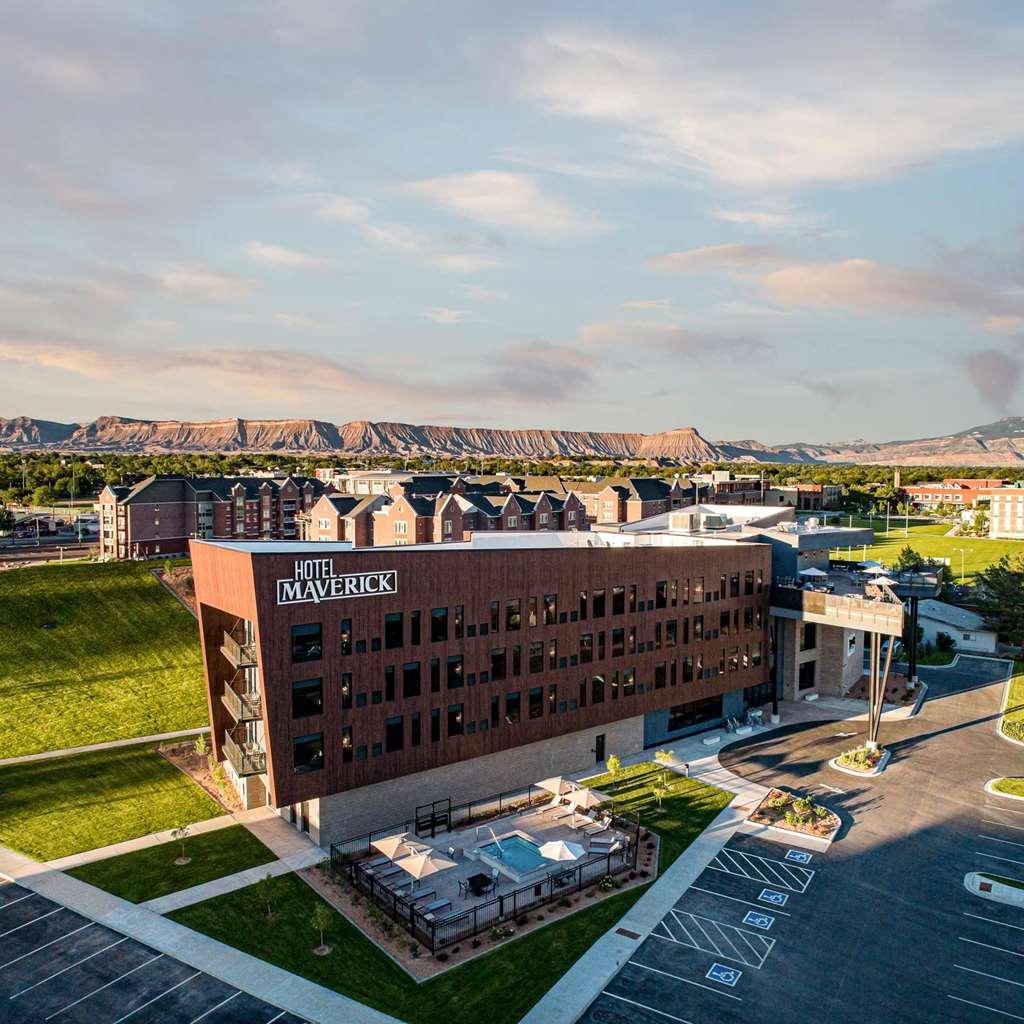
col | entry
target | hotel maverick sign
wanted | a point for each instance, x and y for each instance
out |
(314, 580)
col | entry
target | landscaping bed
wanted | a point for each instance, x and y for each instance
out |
(195, 760)
(153, 872)
(1013, 883)
(1012, 724)
(178, 578)
(1012, 787)
(861, 759)
(796, 814)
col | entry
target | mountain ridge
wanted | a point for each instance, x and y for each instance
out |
(994, 444)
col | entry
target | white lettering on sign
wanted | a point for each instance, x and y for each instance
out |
(315, 580)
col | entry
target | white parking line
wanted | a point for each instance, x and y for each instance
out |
(994, 839)
(1002, 810)
(736, 899)
(89, 995)
(49, 913)
(992, 920)
(46, 945)
(277, 1016)
(982, 1006)
(994, 977)
(990, 821)
(642, 1006)
(10, 903)
(696, 984)
(162, 994)
(761, 869)
(1001, 949)
(69, 967)
(704, 932)
(1009, 860)
(223, 1002)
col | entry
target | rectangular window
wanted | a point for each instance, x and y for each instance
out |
(760, 580)
(600, 646)
(805, 676)
(661, 594)
(389, 682)
(512, 707)
(631, 644)
(748, 583)
(734, 585)
(687, 668)
(618, 643)
(495, 712)
(307, 698)
(531, 614)
(414, 628)
(435, 675)
(674, 594)
(415, 738)
(698, 628)
(683, 716)
(308, 753)
(550, 609)
(808, 636)
(536, 702)
(513, 614)
(660, 675)
(307, 642)
(723, 623)
(517, 660)
(453, 675)
(698, 590)
(671, 627)
(438, 625)
(495, 615)
(459, 616)
(685, 592)
(628, 682)
(346, 691)
(394, 734)
(346, 636)
(552, 655)
(614, 683)
(597, 690)
(536, 663)
(411, 679)
(618, 600)
(346, 744)
(394, 633)
(435, 725)
(733, 659)
(598, 604)
(499, 664)
(748, 619)
(632, 597)
(552, 698)
(586, 648)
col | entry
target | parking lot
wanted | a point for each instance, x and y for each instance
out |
(56, 965)
(880, 927)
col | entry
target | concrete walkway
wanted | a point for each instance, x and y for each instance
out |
(109, 745)
(261, 979)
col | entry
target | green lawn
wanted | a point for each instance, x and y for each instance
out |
(497, 988)
(150, 873)
(122, 660)
(64, 805)
(1013, 718)
(1012, 787)
(927, 540)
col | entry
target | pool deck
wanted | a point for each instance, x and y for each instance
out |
(541, 826)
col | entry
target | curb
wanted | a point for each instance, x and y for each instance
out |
(791, 838)
(1002, 711)
(877, 770)
(1005, 894)
(992, 791)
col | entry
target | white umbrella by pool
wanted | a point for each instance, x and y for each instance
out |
(875, 570)
(558, 849)
(584, 799)
(556, 785)
(870, 564)
(398, 846)
(812, 572)
(885, 581)
(420, 865)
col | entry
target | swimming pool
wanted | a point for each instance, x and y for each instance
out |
(515, 852)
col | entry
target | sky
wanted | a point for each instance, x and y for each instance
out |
(787, 221)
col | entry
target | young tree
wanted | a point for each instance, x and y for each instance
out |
(660, 787)
(664, 756)
(614, 766)
(1001, 597)
(264, 893)
(179, 835)
(321, 921)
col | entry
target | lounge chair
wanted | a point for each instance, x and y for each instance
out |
(395, 869)
(555, 802)
(377, 862)
(604, 841)
(582, 821)
(600, 826)
(436, 905)
(425, 896)
(565, 813)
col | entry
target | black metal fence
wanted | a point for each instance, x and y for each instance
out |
(435, 932)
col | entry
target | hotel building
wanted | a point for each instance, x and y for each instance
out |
(350, 687)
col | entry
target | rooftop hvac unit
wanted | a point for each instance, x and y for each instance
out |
(714, 522)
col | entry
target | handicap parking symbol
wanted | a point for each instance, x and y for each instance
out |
(723, 975)
(799, 856)
(774, 897)
(763, 921)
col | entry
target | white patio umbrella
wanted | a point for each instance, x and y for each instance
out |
(812, 572)
(875, 570)
(585, 798)
(870, 564)
(558, 849)
(885, 581)
(420, 865)
(398, 846)
(556, 785)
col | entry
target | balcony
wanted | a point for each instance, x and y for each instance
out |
(842, 602)
(246, 758)
(242, 706)
(240, 655)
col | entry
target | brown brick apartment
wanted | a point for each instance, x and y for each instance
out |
(350, 686)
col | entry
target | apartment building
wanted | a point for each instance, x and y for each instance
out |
(156, 517)
(956, 491)
(341, 517)
(805, 497)
(628, 500)
(349, 687)
(1006, 512)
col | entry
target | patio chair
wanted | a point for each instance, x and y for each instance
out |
(565, 813)
(604, 842)
(377, 862)
(600, 826)
(436, 905)
(552, 804)
(388, 872)
(423, 896)
(582, 821)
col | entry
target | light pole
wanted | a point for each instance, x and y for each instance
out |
(962, 551)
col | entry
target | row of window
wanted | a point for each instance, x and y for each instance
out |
(534, 703)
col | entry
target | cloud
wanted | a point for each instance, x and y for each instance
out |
(729, 256)
(535, 371)
(656, 305)
(443, 315)
(864, 285)
(342, 209)
(670, 339)
(506, 201)
(1011, 323)
(481, 294)
(995, 375)
(296, 321)
(198, 282)
(280, 256)
(463, 263)
(840, 99)
(779, 216)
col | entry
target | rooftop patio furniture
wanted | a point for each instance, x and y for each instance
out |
(386, 872)
(377, 862)
(554, 803)
(479, 883)
(422, 896)
(433, 907)
(566, 812)
(600, 826)
(581, 821)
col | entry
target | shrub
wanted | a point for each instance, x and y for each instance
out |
(820, 812)
(643, 874)
(477, 943)
(414, 950)
(441, 957)
(804, 804)
(606, 884)
(521, 920)
(777, 803)
(498, 933)
(200, 745)
(793, 819)
(564, 902)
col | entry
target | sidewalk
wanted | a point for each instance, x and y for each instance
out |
(132, 741)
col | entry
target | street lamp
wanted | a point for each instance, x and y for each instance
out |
(962, 551)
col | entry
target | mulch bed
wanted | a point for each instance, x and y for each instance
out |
(809, 823)
(197, 767)
(897, 691)
(179, 579)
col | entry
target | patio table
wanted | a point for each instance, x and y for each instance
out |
(478, 882)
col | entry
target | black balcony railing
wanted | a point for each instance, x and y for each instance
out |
(240, 655)
(246, 758)
(243, 706)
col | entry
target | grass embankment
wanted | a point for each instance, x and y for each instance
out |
(1015, 883)
(1011, 787)
(93, 652)
(499, 987)
(1012, 724)
(151, 873)
(64, 805)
